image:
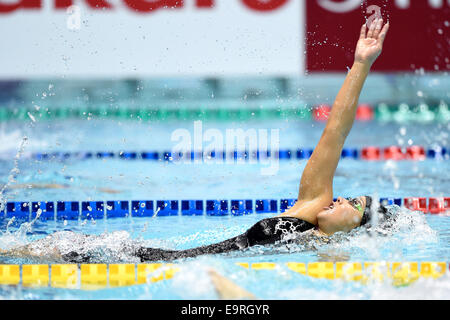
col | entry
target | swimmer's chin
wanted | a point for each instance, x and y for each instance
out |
(323, 215)
(323, 222)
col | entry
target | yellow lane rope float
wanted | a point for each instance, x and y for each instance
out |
(99, 276)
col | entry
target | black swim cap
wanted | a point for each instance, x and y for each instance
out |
(368, 212)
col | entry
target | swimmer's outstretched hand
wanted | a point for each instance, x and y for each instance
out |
(370, 42)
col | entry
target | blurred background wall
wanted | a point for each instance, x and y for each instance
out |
(107, 51)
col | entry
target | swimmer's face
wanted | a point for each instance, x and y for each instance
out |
(341, 215)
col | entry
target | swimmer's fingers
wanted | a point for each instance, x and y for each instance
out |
(363, 32)
(377, 30)
(371, 29)
(383, 33)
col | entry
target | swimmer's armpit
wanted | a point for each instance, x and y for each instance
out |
(227, 289)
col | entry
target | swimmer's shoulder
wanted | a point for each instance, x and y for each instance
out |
(306, 210)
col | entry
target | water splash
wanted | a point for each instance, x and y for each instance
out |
(383, 240)
(113, 247)
(13, 173)
(386, 239)
(10, 139)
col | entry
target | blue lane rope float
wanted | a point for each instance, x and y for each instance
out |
(419, 153)
(101, 276)
(75, 210)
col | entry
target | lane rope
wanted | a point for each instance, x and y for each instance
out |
(100, 276)
(395, 153)
(403, 112)
(76, 210)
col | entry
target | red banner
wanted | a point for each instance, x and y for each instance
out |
(140, 6)
(418, 38)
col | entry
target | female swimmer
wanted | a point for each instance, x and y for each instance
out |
(314, 208)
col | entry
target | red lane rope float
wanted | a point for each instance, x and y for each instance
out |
(321, 112)
(393, 153)
(371, 153)
(416, 153)
(438, 205)
(396, 153)
(365, 113)
(416, 204)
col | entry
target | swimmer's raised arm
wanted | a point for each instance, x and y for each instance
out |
(316, 185)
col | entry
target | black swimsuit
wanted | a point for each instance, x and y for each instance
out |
(266, 231)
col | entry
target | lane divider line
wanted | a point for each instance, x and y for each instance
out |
(100, 276)
(401, 113)
(80, 210)
(370, 153)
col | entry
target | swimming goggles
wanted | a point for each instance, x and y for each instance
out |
(356, 205)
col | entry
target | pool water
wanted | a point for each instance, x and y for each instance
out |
(413, 237)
